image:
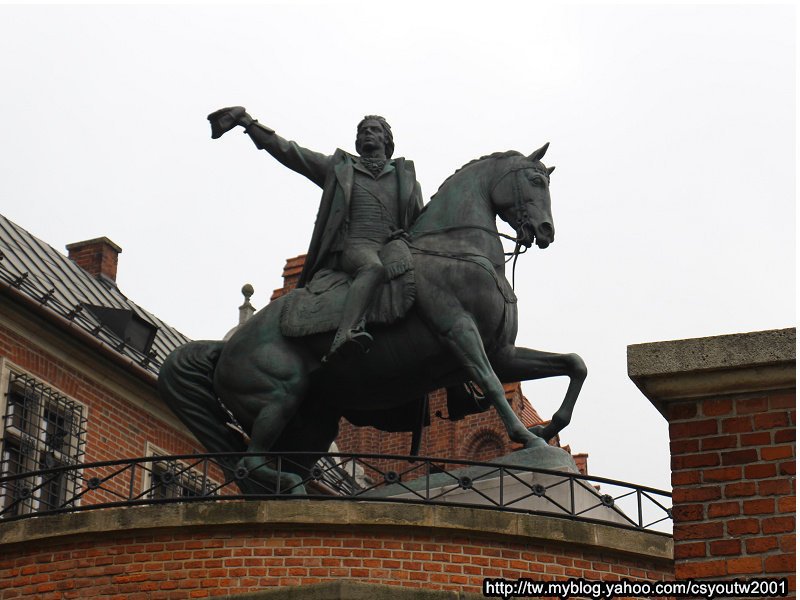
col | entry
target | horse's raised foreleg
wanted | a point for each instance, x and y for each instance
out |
(524, 364)
(465, 342)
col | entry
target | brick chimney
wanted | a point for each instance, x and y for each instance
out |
(98, 257)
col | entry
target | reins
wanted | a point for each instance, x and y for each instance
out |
(450, 228)
(518, 248)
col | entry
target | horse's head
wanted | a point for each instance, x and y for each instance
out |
(520, 194)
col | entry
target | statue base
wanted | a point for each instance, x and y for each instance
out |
(510, 488)
(540, 457)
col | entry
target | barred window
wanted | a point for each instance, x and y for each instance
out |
(174, 479)
(43, 430)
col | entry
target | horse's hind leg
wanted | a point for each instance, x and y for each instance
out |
(186, 384)
(266, 429)
(266, 393)
(524, 364)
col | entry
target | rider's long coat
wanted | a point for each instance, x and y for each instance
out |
(334, 174)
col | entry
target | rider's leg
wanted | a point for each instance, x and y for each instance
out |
(361, 261)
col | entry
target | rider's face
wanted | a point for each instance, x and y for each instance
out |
(370, 136)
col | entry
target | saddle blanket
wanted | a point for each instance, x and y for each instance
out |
(318, 307)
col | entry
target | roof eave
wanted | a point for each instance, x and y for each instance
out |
(80, 334)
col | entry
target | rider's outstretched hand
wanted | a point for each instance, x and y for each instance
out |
(225, 119)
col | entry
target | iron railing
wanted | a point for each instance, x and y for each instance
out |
(337, 477)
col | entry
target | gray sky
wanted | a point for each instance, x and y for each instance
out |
(672, 129)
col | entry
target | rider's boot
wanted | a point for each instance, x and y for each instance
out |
(348, 343)
(351, 339)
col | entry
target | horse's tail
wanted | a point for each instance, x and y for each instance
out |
(186, 384)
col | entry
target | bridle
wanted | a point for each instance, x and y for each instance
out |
(521, 216)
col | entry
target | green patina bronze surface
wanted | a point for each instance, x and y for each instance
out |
(289, 393)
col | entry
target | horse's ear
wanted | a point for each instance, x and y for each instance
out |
(539, 154)
(550, 170)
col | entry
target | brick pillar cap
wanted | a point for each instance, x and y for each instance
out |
(100, 240)
(703, 367)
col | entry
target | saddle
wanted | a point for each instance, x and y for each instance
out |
(318, 307)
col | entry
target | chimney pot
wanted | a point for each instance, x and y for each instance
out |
(98, 257)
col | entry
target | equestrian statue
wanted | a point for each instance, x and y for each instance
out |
(395, 300)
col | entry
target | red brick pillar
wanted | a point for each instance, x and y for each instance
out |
(730, 404)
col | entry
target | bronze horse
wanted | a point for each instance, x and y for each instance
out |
(461, 328)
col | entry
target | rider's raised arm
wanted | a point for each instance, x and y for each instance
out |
(313, 165)
(308, 163)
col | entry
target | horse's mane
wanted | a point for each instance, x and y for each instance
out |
(506, 154)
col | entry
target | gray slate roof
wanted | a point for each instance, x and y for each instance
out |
(47, 276)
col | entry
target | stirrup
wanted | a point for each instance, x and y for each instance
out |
(355, 344)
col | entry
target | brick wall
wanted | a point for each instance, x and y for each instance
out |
(173, 567)
(118, 428)
(118, 424)
(479, 437)
(730, 404)
(217, 559)
(733, 467)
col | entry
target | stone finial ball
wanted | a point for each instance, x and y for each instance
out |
(247, 290)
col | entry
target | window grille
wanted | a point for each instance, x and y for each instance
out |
(174, 479)
(42, 429)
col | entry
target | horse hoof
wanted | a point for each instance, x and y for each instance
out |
(540, 431)
(535, 442)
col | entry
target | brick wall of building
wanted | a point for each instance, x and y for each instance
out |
(173, 567)
(446, 438)
(733, 476)
(730, 404)
(118, 428)
(125, 418)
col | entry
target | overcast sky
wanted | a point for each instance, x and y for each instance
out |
(672, 129)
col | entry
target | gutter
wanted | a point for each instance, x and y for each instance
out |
(126, 363)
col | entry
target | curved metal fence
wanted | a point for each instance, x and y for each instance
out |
(334, 477)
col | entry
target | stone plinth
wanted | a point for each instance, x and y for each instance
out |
(516, 489)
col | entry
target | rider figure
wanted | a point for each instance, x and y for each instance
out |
(366, 201)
